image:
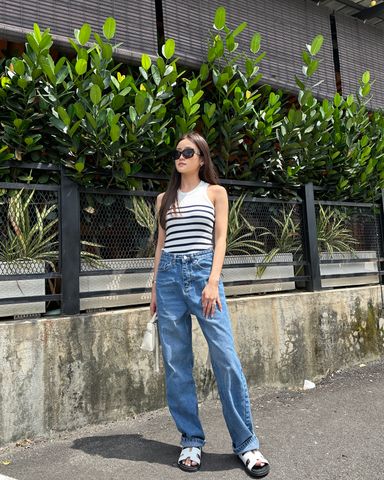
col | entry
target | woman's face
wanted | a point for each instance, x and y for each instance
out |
(189, 161)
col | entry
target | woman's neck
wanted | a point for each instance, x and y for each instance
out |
(187, 184)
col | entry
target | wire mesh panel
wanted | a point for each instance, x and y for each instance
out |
(117, 241)
(264, 246)
(114, 228)
(349, 244)
(29, 232)
(29, 249)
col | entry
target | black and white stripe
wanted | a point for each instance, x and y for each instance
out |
(191, 227)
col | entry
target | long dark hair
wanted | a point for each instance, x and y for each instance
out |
(207, 173)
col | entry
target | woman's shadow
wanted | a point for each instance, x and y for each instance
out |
(136, 448)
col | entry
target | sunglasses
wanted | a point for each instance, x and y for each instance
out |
(187, 153)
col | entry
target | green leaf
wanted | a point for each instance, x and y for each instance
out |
(107, 51)
(211, 55)
(230, 42)
(366, 90)
(219, 47)
(33, 44)
(186, 105)
(204, 72)
(73, 44)
(146, 61)
(337, 99)
(84, 34)
(79, 110)
(316, 44)
(81, 66)
(155, 74)
(64, 115)
(366, 77)
(132, 114)
(306, 57)
(37, 32)
(219, 21)
(312, 67)
(19, 67)
(239, 29)
(115, 133)
(299, 83)
(48, 70)
(80, 164)
(168, 49)
(196, 97)
(59, 65)
(350, 100)
(109, 28)
(140, 102)
(95, 94)
(74, 127)
(126, 167)
(22, 83)
(46, 43)
(255, 43)
(91, 120)
(117, 102)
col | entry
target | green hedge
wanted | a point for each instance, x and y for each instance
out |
(108, 121)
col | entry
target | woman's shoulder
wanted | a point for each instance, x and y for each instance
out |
(216, 193)
(217, 189)
(159, 199)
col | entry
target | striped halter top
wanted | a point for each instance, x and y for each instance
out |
(190, 229)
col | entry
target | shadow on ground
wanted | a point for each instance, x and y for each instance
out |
(139, 449)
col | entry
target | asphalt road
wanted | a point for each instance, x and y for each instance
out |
(332, 432)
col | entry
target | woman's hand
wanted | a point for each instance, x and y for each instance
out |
(152, 307)
(209, 298)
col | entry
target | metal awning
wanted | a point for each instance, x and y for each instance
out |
(361, 9)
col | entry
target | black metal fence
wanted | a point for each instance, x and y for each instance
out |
(91, 249)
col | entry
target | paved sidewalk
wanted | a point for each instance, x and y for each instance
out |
(332, 432)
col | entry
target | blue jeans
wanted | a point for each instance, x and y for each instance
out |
(181, 279)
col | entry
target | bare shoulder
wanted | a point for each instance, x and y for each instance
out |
(217, 194)
(159, 199)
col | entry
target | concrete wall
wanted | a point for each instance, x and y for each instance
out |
(63, 373)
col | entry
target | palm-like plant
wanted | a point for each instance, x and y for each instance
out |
(34, 239)
(285, 236)
(240, 236)
(145, 216)
(25, 239)
(333, 234)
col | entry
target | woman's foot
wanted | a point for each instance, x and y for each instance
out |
(190, 459)
(255, 463)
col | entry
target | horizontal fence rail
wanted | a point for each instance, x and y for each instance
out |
(89, 249)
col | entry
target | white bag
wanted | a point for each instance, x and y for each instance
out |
(151, 341)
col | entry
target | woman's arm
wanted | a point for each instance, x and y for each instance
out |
(159, 246)
(210, 296)
(220, 201)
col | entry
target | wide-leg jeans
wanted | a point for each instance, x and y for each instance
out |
(180, 281)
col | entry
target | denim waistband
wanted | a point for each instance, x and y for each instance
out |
(186, 256)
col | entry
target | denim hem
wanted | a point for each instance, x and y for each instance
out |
(192, 442)
(252, 443)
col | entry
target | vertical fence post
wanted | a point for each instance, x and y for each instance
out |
(311, 250)
(70, 246)
(380, 252)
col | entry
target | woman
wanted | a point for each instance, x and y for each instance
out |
(193, 218)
